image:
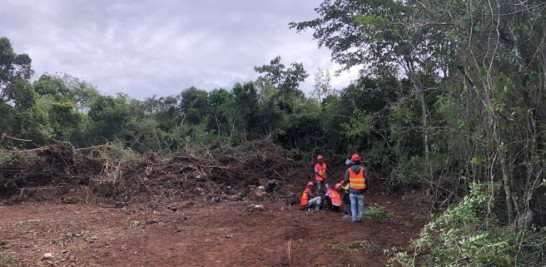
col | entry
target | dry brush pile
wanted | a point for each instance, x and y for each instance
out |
(257, 170)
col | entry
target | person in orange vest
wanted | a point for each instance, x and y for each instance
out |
(320, 173)
(356, 176)
(307, 200)
(334, 198)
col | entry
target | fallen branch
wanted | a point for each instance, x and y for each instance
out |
(401, 263)
(187, 158)
(92, 147)
(280, 176)
(289, 251)
(5, 136)
(213, 166)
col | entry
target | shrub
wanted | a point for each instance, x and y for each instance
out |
(468, 234)
(378, 212)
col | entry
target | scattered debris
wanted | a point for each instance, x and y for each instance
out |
(47, 256)
(272, 186)
(201, 178)
(215, 199)
(173, 208)
(255, 208)
(148, 171)
(259, 192)
(238, 197)
(92, 239)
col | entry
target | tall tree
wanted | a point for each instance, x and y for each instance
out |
(285, 82)
(108, 116)
(12, 67)
(323, 84)
(377, 36)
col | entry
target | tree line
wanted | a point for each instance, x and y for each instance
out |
(62, 107)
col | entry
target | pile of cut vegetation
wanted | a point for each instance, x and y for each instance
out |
(255, 170)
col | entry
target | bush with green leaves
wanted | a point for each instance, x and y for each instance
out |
(11, 162)
(15, 158)
(377, 211)
(468, 234)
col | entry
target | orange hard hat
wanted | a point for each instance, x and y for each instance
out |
(355, 158)
(319, 157)
(310, 184)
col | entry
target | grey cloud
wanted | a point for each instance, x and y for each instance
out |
(147, 47)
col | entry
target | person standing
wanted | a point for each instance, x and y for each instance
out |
(356, 176)
(307, 200)
(320, 173)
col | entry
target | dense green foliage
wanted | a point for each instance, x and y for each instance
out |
(64, 108)
(465, 235)
(451, 95)
(468, 109)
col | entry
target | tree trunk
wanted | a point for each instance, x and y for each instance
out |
(424, 111)
(506, 183)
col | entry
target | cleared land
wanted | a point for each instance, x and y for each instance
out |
(201, 233)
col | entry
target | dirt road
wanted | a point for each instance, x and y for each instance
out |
(189, 233)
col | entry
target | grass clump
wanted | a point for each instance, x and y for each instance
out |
(377, 211)
(7, 260)
(63, 240)
(355, 246)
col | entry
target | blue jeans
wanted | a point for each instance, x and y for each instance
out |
(314, 202)
(348, 212)
(319, 185)
(357, 206)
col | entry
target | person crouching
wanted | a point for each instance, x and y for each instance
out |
(333, 198)
(307, 200)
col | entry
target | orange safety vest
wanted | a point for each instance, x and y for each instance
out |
(335, 197)
(357, 181)
(304, 197)
(321, 169)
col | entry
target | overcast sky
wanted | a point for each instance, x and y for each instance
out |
(153, 47)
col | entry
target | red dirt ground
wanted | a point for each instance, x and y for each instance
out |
(203, 234)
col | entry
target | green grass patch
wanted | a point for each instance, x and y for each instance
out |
(63, 240)
(7, 260)
(409, 225)
(355, 246)
(376, 211)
